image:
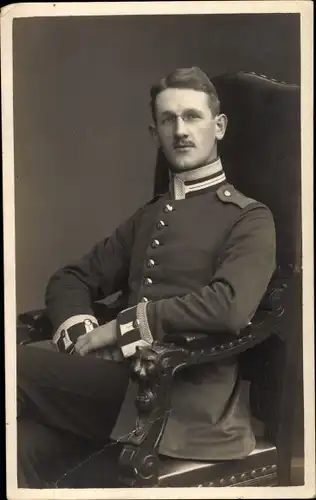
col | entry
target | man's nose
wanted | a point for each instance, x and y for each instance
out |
(180, 128)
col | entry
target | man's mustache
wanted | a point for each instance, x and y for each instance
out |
(183, 144)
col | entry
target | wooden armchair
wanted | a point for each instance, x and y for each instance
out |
(261, 157)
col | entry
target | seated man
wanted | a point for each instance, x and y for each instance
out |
(195, 259)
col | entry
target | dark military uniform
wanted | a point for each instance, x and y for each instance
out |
(196, 259)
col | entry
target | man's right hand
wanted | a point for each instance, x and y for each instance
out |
(103, 336)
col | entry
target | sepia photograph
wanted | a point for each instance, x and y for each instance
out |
(158, 249)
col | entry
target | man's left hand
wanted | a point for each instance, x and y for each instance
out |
(102, 336)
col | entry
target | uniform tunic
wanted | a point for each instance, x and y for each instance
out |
(197, 259)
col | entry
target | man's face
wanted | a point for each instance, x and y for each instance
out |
(186, 129)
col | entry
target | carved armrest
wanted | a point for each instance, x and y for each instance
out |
(153, 369)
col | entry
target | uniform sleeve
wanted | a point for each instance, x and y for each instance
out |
(246, 264)
(104, 270)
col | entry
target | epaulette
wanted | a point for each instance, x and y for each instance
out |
(229, 194)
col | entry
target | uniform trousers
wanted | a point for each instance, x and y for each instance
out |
(67, 407)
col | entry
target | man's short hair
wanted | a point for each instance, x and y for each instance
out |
(186, 78)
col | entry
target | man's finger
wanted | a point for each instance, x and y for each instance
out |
(82, 344)
(83, 350)
(81, 340)
(95, 341)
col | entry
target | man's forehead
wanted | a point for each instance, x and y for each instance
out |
(175, 99)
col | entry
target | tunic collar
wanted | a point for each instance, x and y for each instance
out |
(187, 183)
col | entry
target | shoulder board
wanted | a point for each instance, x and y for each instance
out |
(229, 194)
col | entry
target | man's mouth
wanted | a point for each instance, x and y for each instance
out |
(183, 147)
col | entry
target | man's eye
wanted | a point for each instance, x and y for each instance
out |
(167, 120)
(191, 116)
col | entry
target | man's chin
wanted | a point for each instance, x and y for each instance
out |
(184, 165)
(182, 162)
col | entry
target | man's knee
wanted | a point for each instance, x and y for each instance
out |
(48, 345)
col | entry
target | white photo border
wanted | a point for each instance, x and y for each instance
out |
(11, 12)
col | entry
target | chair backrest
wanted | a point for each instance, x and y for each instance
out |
(261, 157)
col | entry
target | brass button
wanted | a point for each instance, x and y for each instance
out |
(168, 208)
(233, 480)
(161, 224)
(150, 263)
(227, 193)
(144, 299)
(155, 244)
(148, 281)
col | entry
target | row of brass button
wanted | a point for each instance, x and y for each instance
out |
(155, 244)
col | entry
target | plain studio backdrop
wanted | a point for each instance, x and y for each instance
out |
(84, 160)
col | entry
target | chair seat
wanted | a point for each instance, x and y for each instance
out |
(258, 467)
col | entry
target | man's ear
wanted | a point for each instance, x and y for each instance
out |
(153, 132)
(221, 125)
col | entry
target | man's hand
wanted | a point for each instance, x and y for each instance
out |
(102, 336)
